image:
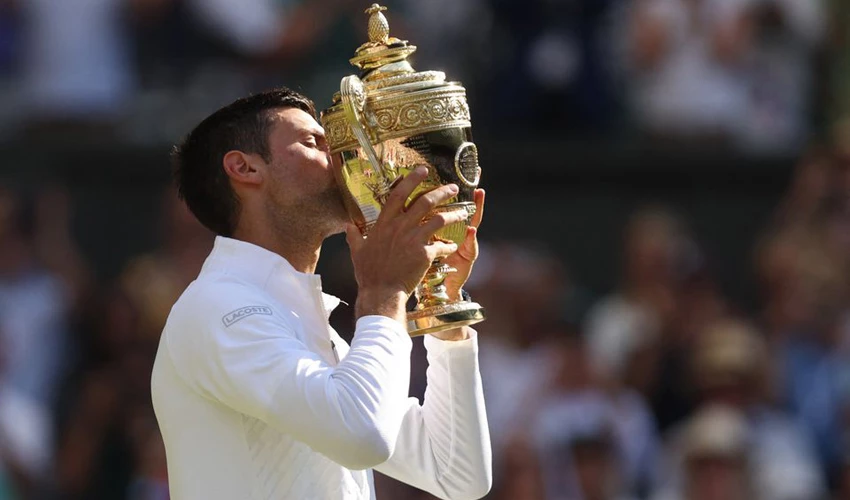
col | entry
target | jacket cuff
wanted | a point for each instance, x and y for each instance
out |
(437, 347)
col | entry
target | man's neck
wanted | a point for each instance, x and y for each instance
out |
(302, 252)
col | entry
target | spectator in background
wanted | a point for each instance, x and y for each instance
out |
(108, 440)
(589, 459)
(637, 335)
(34, 321)
(141, 68)
(154, 281)
(307, 42)
(259, 27)
(816, 369)
(787, 36)
(811, 186)
(717, 460)
(595, 443)
(804, 266)
(522, 286)
(595, 462)
(688, 61)
(738, 71)
(110, 425)
(636, 313)
(552, 65)
(790, 267)
(451, 35)
(282, 33)
(76, 65)
(520, 476)
(42, 280)
(730, 369)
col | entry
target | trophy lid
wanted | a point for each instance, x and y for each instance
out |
(399, 100)
(383, 60)
(382, 52)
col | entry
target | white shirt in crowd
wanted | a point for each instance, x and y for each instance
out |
(76, 61)
(257, 397)
(762, 99)
(691, 91)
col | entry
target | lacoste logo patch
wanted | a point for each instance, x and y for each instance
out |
(244, 312)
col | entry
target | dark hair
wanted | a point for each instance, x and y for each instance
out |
(243, 125)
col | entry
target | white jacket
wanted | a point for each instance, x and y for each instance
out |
(258, 398)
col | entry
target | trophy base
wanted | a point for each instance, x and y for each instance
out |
(445, 317)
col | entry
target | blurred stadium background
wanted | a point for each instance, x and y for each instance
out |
(667, 239)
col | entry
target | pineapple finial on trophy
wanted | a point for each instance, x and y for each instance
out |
(379, 27)
(382, 50)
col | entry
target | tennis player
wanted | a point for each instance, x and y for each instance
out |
(257, 397)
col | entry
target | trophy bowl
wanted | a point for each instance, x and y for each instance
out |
(382, 125)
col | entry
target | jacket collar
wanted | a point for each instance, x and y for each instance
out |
(257, 266)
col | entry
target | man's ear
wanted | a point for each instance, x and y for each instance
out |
(243, 168)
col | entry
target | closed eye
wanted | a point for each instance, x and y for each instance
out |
(315, 140)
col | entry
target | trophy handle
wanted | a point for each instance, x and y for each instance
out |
(354, 106)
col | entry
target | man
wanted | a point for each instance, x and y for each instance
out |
(256, 396)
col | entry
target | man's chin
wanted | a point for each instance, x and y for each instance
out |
(337, 230)
(340, 218)
(340, 210)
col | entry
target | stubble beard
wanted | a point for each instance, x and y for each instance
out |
(320, 215)
(334, 207)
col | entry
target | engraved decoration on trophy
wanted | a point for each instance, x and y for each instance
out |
(384, 123)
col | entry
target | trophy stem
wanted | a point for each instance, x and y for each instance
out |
(435, 310)
(431, 291)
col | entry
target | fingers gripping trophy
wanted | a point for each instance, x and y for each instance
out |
(382, 125)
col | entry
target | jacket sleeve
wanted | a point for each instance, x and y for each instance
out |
(350, 413)
(444, 444)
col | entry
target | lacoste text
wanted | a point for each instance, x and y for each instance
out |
(244, 312)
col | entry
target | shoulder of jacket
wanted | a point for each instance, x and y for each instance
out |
(218, 294)
(216, 308)
(211, 303)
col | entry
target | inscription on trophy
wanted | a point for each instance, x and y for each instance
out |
(419, 144)
(466, 164)
(415, 151)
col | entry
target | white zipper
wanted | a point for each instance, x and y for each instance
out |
(317, 292)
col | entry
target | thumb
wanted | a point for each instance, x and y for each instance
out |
(353, 237)
(469, 249)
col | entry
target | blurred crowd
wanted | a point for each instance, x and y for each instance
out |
(753, 75)
(76, 354)
(664, 389)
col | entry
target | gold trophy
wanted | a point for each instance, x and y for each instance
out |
(383, 124)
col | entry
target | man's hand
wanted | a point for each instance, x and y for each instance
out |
(464, 258)
(398, 251)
